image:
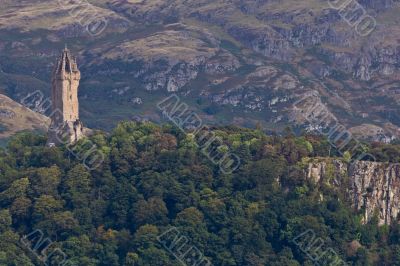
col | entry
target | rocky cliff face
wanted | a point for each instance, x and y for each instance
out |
(371, 187)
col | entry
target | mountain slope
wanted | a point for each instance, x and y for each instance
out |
(243, 62)
(15, 117)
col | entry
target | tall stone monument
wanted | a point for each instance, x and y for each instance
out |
(65, 128)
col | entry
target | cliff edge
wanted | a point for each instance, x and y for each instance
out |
(371, 187)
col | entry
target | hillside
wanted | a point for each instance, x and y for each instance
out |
(240, 62)
(15, 117)
(155, 194)
(205, 132)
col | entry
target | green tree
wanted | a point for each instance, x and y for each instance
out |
(46, 181)
(5, 220)
(76, 187)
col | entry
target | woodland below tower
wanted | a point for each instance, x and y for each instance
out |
(65, 128)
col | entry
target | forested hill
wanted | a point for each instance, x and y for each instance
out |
(156, 198)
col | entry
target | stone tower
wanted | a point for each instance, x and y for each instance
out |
(65, 128)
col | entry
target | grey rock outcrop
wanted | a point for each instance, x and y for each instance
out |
(371, 187)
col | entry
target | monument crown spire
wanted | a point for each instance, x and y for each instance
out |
(66, 63)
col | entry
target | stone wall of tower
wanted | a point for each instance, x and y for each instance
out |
(65, 127)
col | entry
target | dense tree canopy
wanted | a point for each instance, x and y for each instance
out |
(154, 178)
